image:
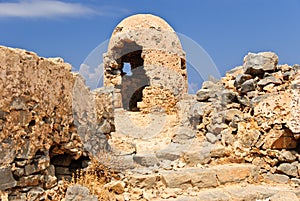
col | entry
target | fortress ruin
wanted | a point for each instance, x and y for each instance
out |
(236, 139)
(151, 49)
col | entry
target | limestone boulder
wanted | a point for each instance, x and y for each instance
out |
(248, 85)
(186, 178)
(240, 79)
(146, 159)
(288, 169)
(7, 180)
(80, 193)
(269, 80)
(256, 64)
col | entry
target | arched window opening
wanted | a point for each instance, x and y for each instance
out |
(127, 69)
(134, 77)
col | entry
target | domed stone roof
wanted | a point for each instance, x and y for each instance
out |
(142, 21)
(148, 31)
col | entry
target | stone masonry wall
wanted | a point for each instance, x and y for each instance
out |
(39, 138)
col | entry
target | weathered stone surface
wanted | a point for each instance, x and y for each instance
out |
(235, 71)
(235, 173)
(294, 121)
(248, 133)
(212, 195)
(231, 114)
(209, 85)
(116, 186)
(146, 159)
(79, 193)
(182, 134)
(227, 137)
(250, 192)
(188, 177)
(277, 178)
(203, 179)
(248, 85)
(27, 151)
(38, 165)
(204, 94)
(190, 112)
(127, 162)
(197, 156)
(143, 181)
(7, 180)
(256, 64)
(156, 99)
(216, 128)
(295, 181)
(19, 197)
(279, 139)
(269, 80)
(278, 108)
(31, 180)
(227, 97)
(218, 151)
(121, 147)
(283, 196)
(241, 193)
(50, 181)
(172, 152)
(288, 169)
(240, 79)
(287, 156)
(208, 177)
(7, 152)
(35, 194)
(211, 138)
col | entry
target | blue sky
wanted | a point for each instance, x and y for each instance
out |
(226, 29)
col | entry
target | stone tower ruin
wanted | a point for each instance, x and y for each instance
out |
(145, 64)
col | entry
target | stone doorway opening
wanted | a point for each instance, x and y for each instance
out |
(65, 164)
(134, 77)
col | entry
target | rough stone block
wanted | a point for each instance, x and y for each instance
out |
(288, 169)
(256, 64)
(283, 196)
(183, 134)
(188, 177)
(172, 152)
(143, 181)
(235, 173)
(278, 178)
(7, 180)
(77, 192)
(146, 159)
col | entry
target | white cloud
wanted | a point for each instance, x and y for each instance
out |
(44, 9)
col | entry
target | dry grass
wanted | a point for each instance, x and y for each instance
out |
(102, 170)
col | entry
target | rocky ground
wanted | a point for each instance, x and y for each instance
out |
(237, 139)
